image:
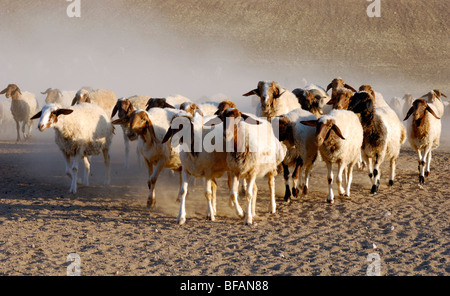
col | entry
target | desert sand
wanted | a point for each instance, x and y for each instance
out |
(221, 46)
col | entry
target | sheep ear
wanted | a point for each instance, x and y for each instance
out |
(168, 135)
(410, 112)
(63, 112)
(332, 101)
(254, 92)
(151, 130)
(432, 112)
(213, 121)
(250, 120)
(114, 111)
(329, 87)
(310, 123)
(121, 121)
(37, 116)
(338, 132)
(442, 94)
(74, 101)
(350, 88)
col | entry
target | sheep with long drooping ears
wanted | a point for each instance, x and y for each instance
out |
(339, 136)
(63, 98)
(302, 151)
(151, 128)
(123, 109)
(384, 135)
(274, 100)
(198, 163)
(23, 106)
(424, 132)
(255, 152)
(102, 97)
(81, 131)
(434, 97)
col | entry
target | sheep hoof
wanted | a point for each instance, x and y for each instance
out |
(287, 194)
(391, 182)
(330, 201)
(427, 174)
(374, 189)
(151, 203)
(295, 192)
(421, 180)
(181, 221)
(305, 190)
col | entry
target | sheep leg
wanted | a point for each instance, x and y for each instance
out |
(273, 204)
(73, 187)
(349, 178)
(376, 174)
(249, 195)
(214, 195)
(87, 171)
(210, 215)
(107, 161)
(427, 171)
(67, 162)
(422, 165)
(151, 201)
(330, 198)
(295, 177)
(127, 150)
(234, 195)
(181, 219)
(287, 193)
(255, 195)
(308, 171)
(392, 175)
(18, 130)
(341, 168)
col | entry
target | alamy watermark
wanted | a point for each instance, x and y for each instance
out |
(74, 268)
(374, 268)
(374, 8)
(74, 8)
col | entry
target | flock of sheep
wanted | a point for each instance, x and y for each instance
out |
(350, 127)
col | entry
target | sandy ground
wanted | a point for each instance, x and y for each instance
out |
(189, 47)
(114, 234)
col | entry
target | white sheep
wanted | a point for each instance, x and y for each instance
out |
(274, 100)
(252, 151)
(176, 100)
(123, 108)
(203, 109)
(63, 98)
(339, 136)
(434, 97)
(424, 132)
(82, 131)
(383, 136)
(23, 105)
(104, 98)
(151, 128)
(198, 162)
(401, 105)
(302, 150)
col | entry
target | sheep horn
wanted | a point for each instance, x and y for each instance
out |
(46, 92)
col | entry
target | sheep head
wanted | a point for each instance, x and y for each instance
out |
(362, 103)
(48, 116)
(157, 103)
(11, 91)
(53, 96)
(338, 83)
(123, 107)
(367, 88)
(323, 129)
(136, 124)
(82, 96)
(268, 92)
(342, 99)
(439, 93)
(224, 105)
(191, 108)
(418, 109)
